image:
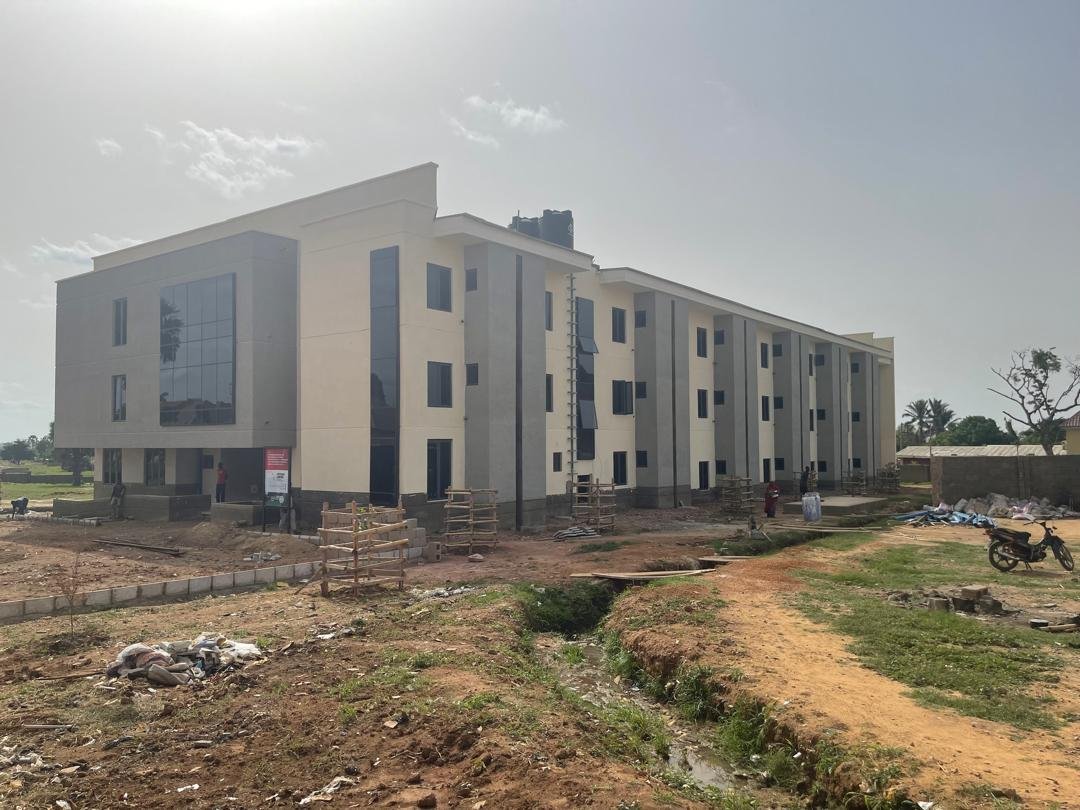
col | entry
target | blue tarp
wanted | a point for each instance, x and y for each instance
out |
(926, 517)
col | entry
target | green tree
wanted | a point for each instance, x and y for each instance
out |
(973, 431)
(17, 451)
(1029, 383)
(917, 415)
(905, 436)
(941, 416)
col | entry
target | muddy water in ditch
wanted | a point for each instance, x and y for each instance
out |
(690, 751)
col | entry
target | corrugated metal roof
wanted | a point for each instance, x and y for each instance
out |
(1073, 421)
(923, 451)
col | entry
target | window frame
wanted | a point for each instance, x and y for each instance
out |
(766, 409)
(702, 339)
(444, 287)
(472, 374)
(556, 461)
(719, 337)
(641, 318)
(856, 416)
(152, 454)
(549, 311)
(120, 307)
(437, 445)
(619, 464)
(618, 325)
(703, 403)
(445, 374)
(822, 415)
(472, 281)
(622, 397)
(703, 476)
(777, 403)
(641, 459)
(778, 350)
(549, 393)
(779, 464)
(719, 397)
(764, 355)
(112, 464)
(118, 410)
(641, 389)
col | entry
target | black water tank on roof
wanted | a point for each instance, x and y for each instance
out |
(530, 226)
(558, 227)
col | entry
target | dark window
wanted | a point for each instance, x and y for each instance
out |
(780, 464)
(622, 397)
(640, 319)
(821, 414)
(718, 397)
(470, 279)
(556, 462)
(618, 325)
(703, 475)
(438, 469)
(764, 355)
(702, 403)
(721, 466)
(587, 345)
(856, 463)
(778, 403)
(586, 415)
(618, 468)
(766, 470)
(119, 397)
(641, 459)
(585, 365)
(208, 461)
(197, 353)
(765, 409)
(440, 392)
(472, 374)
(778, 350)
(119, 322)
(549, 311)
(810, 363)
(702, 342)
(385, 402)
(855, 367)
(586, 445)
(114, 469)
(640, 390)
(718, 337)
(819, 359)
(856, 416)
(438, 287)
(549, 393)
(811, 420)
(154, 467)
(823, 466)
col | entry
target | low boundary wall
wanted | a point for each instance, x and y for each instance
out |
(1053, 477)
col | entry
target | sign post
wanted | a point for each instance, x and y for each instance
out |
(275, 479)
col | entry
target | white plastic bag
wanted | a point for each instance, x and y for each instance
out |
(811, 507)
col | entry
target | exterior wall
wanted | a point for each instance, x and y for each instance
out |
(558, 364)
(833, 395)
(1056, 478)
(738, 435)
(702, 430)
(766, 429)
(1072, 441)
(265, 347)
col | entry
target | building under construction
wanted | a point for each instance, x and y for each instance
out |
(400, 352)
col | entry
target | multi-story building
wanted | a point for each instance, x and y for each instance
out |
(399, 352)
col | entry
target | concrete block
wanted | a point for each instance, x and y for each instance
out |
(11, 610)
(938, 603)
(177, 587)
(243, 578)
(264, 575)
(78, 601)
(152, 590)
(974, 591)
(303, 570)
(39, 605)
(411, 523)
(99, 598)
(199, 585)
(127, 593)
(284, 572)
(221, 582)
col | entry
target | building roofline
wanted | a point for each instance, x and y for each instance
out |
(475, 227)
(630, 275)
(116, 254)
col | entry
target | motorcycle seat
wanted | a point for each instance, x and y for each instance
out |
(1019, 537)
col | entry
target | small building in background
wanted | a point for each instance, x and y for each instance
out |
(914, 460)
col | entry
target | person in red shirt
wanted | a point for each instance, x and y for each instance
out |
(772, 497)
(222, 477)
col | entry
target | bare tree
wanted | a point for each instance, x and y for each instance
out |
(70, 582)
(1029, 383)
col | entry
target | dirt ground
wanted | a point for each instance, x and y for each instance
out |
(821, 687)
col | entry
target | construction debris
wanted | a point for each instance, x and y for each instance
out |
(176, 552)
(942, 514)
(369, 543)
(574, 532)
(471, 518)
(176, 663)
(594, 504)
(639, 576)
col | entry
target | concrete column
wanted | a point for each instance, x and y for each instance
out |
(864, 386)
(790, 421)
(834, 398)
(737, 420)
(662, 418)
(886, 423)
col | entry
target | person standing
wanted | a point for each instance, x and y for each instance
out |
(772, 497)
(222, 478)
(116, 500)
(804, 481)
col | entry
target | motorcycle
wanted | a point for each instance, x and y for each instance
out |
(1008, 548)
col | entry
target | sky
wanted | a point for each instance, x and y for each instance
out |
(907, 168)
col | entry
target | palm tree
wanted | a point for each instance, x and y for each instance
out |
(941, 416)
(917, 415)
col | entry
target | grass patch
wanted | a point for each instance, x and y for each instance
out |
(599, 548)
(636, 733)
(572, 654)
(44, 492)
(577, 608)
(844, 541)
(979, 669)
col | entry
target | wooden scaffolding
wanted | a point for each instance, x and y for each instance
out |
(736, 495)
(471, 519)
(594, 504)
(854, 482)
(362, 546)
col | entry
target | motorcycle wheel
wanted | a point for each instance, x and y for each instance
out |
(999, 560)
(1064, 556)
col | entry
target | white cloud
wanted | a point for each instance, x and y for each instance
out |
(9, 269)
(41, 302)
(534, 120)
(22, 405)
(297, 109)
(230, 163)
(109, 148)
(473, 135)
(80, 251)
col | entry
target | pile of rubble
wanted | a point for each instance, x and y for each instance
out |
(176, 663)
(996, 505)
(931, 515)
(968, 599)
